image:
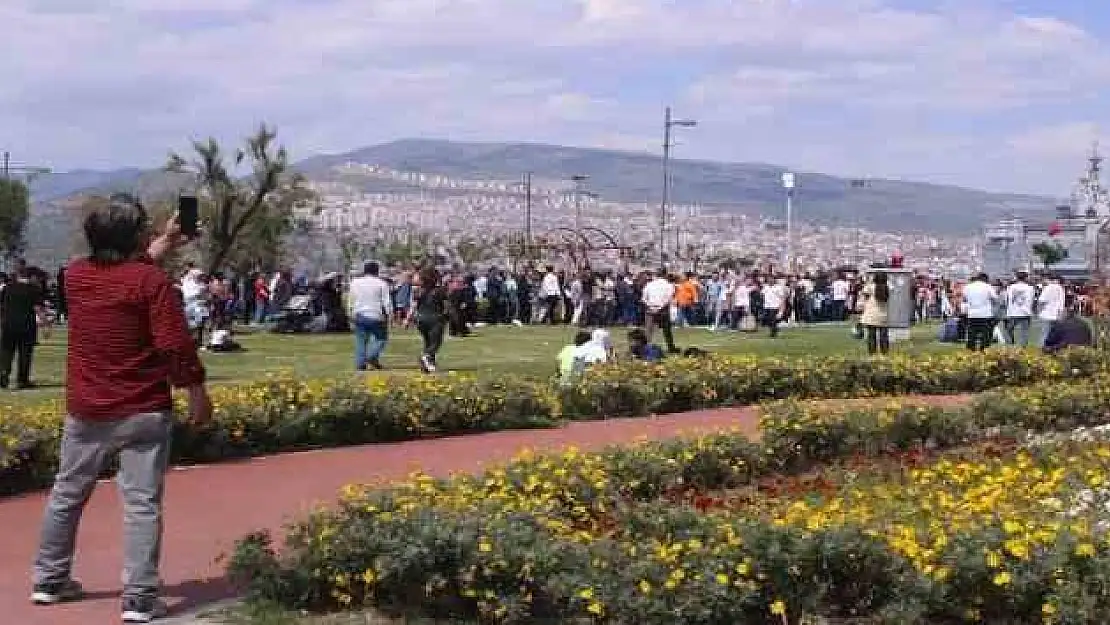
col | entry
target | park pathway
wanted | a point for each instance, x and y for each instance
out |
(209, 507)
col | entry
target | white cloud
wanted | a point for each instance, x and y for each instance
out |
(842, 85)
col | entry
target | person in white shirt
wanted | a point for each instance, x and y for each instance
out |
(723, 303)
(979, 301)
(658, 297)
(774, 305)
(1051, 303)
(370, 306)
(1019, 299)
(599, 349)
(742, 304)
(551, 293)
(840, 290)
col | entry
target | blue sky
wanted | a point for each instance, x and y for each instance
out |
(997, 94)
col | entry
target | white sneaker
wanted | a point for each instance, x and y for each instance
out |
(426, 364)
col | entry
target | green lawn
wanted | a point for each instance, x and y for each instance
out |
(490, 351)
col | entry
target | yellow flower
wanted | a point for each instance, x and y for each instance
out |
(722, 579)
(778, 608)
(1001, 579)
(1085, 549)
(645, 586)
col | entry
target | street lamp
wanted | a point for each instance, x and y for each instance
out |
(578, 180)
(788, 183)
(669, 122)
(858, 183)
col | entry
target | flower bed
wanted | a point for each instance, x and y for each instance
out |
(681, 385)
(286, 414)
(658, 533)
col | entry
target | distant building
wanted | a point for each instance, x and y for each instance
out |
(1075, 226)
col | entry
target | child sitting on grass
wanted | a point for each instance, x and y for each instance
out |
(641, 349)
(571, 360)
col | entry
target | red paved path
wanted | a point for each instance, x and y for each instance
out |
(209, 507)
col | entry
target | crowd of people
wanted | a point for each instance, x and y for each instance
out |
(453, 301)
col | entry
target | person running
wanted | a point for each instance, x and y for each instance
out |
(430, 311)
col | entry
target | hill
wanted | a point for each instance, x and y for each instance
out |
(752, 188)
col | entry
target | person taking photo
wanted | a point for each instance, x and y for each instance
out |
(129, 344)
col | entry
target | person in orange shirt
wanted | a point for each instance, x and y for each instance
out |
(686, 298)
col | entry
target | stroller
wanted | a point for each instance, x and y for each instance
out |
(295, 317)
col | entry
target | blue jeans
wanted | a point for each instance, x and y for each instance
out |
(260, 310)
(370, 338)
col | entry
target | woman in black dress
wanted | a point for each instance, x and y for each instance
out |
(430, 311)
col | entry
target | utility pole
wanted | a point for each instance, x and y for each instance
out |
(788, 182)
(579, 180)
(858, 183)
(669, 122)
(8, 169)
(528, 214)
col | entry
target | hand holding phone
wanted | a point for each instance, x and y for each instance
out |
(188, 208)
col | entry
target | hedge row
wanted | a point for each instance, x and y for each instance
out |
(287, 414)
(578, 537)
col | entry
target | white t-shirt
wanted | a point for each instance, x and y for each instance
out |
(1020, 297)
(1052, 302)
(370, 298)
(774, 296)
(658, 294)
(840, 290)
(550, 286)
(979, 298)
(742, 296)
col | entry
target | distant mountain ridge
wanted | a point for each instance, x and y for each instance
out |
(751, 188)
(755, 188)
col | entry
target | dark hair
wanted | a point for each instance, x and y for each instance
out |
(371, 268)
(882, 289)
(636, 335)
(113, 227)
(429, 278)
(581, 338)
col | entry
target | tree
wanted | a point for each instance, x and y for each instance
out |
(15, 210)
(352, 251)
(246, 220)
(1050, 253)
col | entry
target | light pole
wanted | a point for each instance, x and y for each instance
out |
(528, 214)
(579, 180)
(788, 183)
(669, 122)
(858, 183)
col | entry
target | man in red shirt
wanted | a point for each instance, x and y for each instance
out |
(128, 344)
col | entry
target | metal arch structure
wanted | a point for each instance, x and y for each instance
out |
(579, 245)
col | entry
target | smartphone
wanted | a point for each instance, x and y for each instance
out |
(187, 209)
